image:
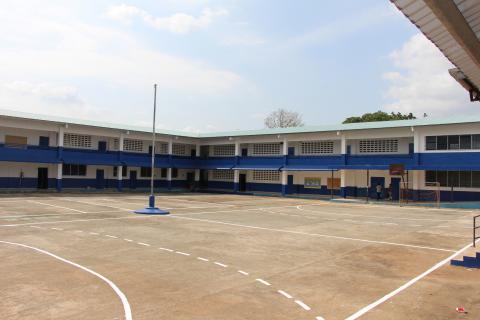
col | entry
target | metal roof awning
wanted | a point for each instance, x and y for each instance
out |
(307, 168)
(213, 167)
(453, 26)
(259, 167)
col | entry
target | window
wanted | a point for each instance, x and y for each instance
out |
(77, 140)
(179, 149)
(453, 142)
(163, 173)
(124, 171)
(266, 175)
(174, 173)
(262, 149)
(15, 142)
(455, 179)
(224, 175)
(378, 146)
(476, 179)
(431, 143)
(476, 141)
(317, 147)
(133, 145)
(145, 172)
(162, 148)
(224, 150)
(430, 176)
(74, 169)
(465, 179)
(466, 142)
(442, 142)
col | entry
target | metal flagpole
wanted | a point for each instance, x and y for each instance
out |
(151, 209)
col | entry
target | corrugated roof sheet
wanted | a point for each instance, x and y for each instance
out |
(423, 17)
(306, 129)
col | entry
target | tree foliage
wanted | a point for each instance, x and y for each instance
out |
(380, 116)
(282, 118)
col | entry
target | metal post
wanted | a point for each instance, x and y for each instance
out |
(331, 187)
(368, 184)
(151, 200)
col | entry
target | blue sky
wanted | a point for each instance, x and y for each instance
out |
(220, 65)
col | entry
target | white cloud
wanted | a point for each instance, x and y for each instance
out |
(243, 41)
(421, 82)
(346, 25)
(180, 23)
(50, 92)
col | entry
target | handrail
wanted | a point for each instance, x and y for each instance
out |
(475, 227)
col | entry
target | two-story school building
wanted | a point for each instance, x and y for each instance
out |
(349, 160)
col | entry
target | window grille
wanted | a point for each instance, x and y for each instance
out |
(133, 145)
(266, 175)
(317, 147)
(224, 150)
(162, 148)
(77, 140)
(179, 149)
(378, 146)
(262, 149)
(224, 175)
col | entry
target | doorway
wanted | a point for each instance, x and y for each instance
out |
(133, 179)
(100, 182)
(374, 181)
(42, 180)
(242, 183)
(290, 184)
(395, 188)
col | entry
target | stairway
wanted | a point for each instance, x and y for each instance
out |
(467, 262)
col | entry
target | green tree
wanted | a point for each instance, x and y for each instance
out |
(380, 116)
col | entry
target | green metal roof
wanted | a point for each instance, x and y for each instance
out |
(236, 133)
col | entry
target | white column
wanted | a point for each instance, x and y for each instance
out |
(237, 148)
(343, 145)
(285, 146)
(61, 132)
(197, 154)
(120, 167)
(416, 140)
(169, 170)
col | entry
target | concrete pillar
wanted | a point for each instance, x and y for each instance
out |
(416, 183)
(120, 167)
(236, 173)
(285, 146)
(197, 171)
(59, 176)
(284, 183)
(169, 170)
(343, 183)
(416, 146)
(343, 149)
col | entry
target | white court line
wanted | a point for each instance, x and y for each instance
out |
(93, 233)
(128, 240)
(319, 318)
(182, 253)
(107, 235)
(368, 216)
(99, 205)
(77, 220)
(38, 215)
(221, 264)
(203, 259)
(243, 272)
(36, 227)
(313, 234)
(166, 249)
(126, 306)
(59, 229)
(303, 305)
(286, 295)
(366, 309)
(263, 282)
(55, 206)
(143, 244)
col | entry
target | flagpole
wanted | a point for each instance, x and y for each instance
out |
(151, 209)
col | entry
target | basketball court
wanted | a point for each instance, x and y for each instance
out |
(231, 257)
